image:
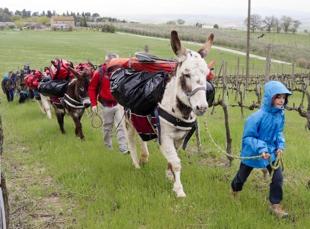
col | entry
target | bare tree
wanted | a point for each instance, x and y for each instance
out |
(171, 23)
(277, 25)
(255, 22)
(269, 23)
(198, 25)
(35, 14)
(286, 22)
(5, 14)
(295, 26)
(180, 21)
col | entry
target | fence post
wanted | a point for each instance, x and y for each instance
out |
(224, 104)
(248, 44)
(293, 76)
(3, 191)
(1, 138)
(268, 63)
(237, 78)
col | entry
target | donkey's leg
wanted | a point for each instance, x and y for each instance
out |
(46, 105)
(60, 113)
(169, 172)
(144, 154)
(131, 133)
(41, 106)
(76, 116)
(170, 153)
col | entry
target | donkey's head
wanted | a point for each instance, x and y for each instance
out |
(191, 73)
(78, 87)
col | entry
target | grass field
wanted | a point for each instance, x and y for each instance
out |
(105, 189)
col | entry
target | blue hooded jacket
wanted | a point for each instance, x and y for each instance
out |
(263, 130)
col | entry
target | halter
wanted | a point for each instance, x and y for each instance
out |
(193, 92)
(72, 102)
(180, 124)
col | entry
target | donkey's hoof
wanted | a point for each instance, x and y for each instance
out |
(136, 165)
(143, 161)
(179, 192)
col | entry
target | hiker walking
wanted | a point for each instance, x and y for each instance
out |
(7, 86)
(263, 135)
(99, 90)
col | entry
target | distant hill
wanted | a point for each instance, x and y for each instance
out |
(224, 21)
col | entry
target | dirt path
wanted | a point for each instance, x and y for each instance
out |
(34, 199)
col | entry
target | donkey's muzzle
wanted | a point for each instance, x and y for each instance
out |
(200, 110)
(86, 102)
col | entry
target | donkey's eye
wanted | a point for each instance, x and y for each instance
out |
(187, 75)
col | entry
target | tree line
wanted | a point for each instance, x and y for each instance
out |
(273, 24)
(8, 16)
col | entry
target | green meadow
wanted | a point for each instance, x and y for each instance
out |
(99, 188)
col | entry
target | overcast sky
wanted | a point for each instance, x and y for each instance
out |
(134, 7)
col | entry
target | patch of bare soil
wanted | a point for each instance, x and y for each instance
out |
(34, 199)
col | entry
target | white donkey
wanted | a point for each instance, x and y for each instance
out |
(183, 99)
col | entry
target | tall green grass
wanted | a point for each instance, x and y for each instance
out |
(108, 191)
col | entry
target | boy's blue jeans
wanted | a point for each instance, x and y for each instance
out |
(275, 191)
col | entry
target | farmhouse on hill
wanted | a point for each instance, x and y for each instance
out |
(62, 22)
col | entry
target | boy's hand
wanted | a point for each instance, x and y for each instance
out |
(279, 152)
(265, 155)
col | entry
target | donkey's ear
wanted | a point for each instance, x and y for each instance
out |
(76, 73)
(176, 44)
(207, 46)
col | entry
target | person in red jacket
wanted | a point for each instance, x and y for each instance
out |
(111, 112)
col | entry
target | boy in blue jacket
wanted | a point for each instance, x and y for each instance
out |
(263, 135)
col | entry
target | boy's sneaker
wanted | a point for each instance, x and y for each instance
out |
(278, 211)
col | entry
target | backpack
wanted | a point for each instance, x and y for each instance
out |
(59, 69)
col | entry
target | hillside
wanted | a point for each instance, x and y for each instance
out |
(58, 181)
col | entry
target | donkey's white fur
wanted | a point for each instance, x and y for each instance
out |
(45, 106)
(192, 71)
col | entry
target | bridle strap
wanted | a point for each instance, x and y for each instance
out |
(193, 92)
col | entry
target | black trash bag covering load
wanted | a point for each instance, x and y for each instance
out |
(53, 88)
(138, 91)
(210, 93)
